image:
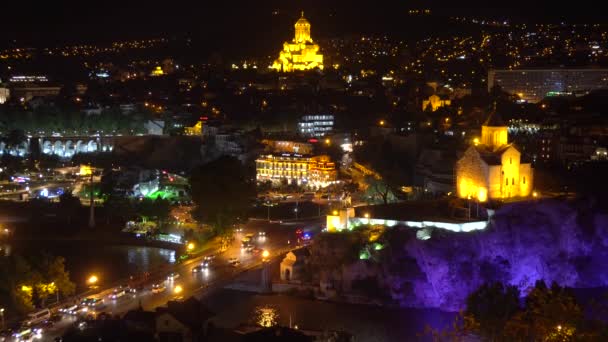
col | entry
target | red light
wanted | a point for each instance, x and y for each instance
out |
(204, 118)
(171, 179)
(313, 140)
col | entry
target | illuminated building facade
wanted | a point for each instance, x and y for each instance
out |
(317, 171)
(158, 71)
(492, 168)
(4, 94)
(197, 129)
(435, 102)
(316, 125)
(301, 53)
(532, 85)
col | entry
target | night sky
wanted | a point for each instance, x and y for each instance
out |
(222, 22)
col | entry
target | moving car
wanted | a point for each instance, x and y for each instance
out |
(234, 262)
(70, 310)
(262, 233)
(37, 317)
(91, 301)
(172, 276)
(129, 289)
(209, 257)
(197, 268)
(117, 293)
(158, 288)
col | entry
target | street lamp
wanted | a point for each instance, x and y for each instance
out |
(2, 316)
(265, 255)
(92, 280)
(177, 289)
(190, 246)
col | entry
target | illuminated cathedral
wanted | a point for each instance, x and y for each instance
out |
(492, 168)
(301, 53)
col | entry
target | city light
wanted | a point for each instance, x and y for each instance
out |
(92, 280)
(265, 254)
(190, 246)
(177, 289)
(381, 122)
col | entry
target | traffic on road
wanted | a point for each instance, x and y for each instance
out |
(193, 277)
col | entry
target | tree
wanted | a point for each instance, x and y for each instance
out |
(550, 314)
(56, 274)
(69, 205)
(223, 193)
(15, 138)
(379, 191)
(489, 309)
(157, 209)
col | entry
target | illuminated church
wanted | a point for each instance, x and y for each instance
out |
(301, 53)
(492, 168)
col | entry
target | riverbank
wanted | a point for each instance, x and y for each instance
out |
(100, 238)
(366, 323)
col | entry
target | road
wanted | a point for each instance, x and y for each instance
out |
(199, 284)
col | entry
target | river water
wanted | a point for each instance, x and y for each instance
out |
(366, 323)
(232, 308)
(108, 263)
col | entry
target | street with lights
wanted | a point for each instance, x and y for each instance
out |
(194, 277)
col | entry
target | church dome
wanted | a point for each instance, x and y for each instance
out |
(494, 119)
(302, 21)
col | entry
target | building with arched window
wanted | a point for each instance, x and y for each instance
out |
(492, 168)
(301, 53)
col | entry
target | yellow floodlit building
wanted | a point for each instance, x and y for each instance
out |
(318, 171)
(158, 71)
(197, 129)
(435, 102)
(301, 53)
(492, 168)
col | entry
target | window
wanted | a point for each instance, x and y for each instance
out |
(506, 181)
(512, 181)
(524, 179)
(510, 160)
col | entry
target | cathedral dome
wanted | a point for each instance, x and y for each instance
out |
(494, 119)
(302, 21)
